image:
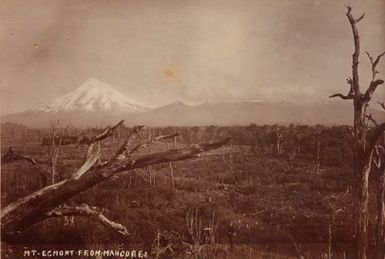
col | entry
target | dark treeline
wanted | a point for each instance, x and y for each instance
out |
(333, 144)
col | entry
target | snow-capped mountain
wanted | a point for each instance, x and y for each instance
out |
(92, 95)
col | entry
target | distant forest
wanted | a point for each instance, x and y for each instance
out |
(332, 144)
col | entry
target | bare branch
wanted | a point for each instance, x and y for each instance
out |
(375, 63)
(382, 105)
(92, 156)
(106, 133)
(373, 83)
(350, 94)
(370, 57)
(171, 155)
(371, 89)
(92, 213)
(349, 80)
(380, 155)
(124, 146)
(370, 117)
(10, 156)
(374, 134)
(360, 18)
(161, 137)
(374, 72)
(349, 8)
(345, 97)
(380, 150)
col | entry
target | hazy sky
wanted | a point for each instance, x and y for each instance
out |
(161, 51)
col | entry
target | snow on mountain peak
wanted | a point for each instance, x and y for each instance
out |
(92, 95)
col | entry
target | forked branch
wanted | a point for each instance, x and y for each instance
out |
(374, 83)
(370, 117)
(356, 54)
(382, 105)
(350, 94)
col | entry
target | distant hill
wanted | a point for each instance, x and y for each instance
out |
(244, 113)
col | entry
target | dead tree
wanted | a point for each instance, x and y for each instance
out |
(379, 162)
(48, 201)
(55, 146)
(171, 169)
(364, 138)
(25, 141)
(202, 224)
(318, 154)
(279, 138)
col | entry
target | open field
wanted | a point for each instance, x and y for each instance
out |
(277, 207)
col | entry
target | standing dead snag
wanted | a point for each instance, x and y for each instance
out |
(279, 138)
(202, 224)
(318, 153)
(379, 162)
(55, 146)
(364, 139)
(46, 202)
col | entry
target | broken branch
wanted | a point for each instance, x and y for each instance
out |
(124, 146)
(10, 156)
(374, 134)
(345, 97)
(370, 117)
(382, 105)
(92, 156)
(108, 131)
(161, 137)
(92, 213)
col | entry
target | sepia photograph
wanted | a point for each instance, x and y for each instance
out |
(192, 129)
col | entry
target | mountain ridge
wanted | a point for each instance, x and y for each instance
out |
(96, 103)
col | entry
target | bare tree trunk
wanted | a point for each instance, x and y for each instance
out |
(380, 224)
(25, 142)
(318, 154)
(16, 179)
(360, 203)
(171, 175)
(279, 136)
(149, 177)
(52, 158)
(171, 170)
(330, 242)
(364, 139)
